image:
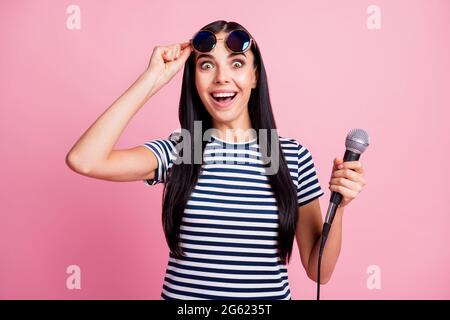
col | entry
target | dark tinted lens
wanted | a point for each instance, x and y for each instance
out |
(204, 41)
(238, 41)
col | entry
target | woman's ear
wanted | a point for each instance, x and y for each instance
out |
(256, 77)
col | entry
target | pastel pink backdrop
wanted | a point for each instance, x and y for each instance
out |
(327, 73)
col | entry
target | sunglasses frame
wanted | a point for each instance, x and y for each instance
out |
(252, 41)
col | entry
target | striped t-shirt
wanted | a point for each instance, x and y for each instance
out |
(229, 226)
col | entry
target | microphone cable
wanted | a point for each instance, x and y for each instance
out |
(325, 231)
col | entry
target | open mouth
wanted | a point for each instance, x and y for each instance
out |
(224, 99)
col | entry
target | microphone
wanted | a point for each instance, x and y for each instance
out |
(356, 143)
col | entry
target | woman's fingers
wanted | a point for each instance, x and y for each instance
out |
(352, 170)
(337, 161)
(174, 51)
(347, 178)
(183, 45)
(347, 194)
(347, 183)
(354, 165)
(168, 53)
(349, 174)
(183, 50)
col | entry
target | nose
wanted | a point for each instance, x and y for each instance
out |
(221, 75)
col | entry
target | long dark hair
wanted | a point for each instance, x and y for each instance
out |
(182, 178)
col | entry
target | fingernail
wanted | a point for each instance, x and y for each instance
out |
(340, 166)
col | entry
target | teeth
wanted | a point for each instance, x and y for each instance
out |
(223, 94)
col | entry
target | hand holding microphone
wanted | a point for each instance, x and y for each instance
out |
(346, 182)
(347, 178)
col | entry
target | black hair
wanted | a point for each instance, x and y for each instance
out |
(182, 178)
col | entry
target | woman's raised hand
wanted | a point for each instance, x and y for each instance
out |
(166, 61)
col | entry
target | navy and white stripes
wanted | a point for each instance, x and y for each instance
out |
(229, 226)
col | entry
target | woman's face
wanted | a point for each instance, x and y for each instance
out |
(221, 70)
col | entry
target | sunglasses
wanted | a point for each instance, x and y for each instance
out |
(237, 41)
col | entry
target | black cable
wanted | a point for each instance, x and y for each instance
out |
(325, 231)
(318, 277)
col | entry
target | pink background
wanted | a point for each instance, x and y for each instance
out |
(327, 73)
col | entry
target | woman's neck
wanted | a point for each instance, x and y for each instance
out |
(240, 130)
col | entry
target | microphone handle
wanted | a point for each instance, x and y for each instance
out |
(336, 197)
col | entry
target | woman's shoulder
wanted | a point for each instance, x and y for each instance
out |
(289, 142)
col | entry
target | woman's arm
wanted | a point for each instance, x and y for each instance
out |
(308, 235)
(96, 144)
(95, 147)
(347, 178)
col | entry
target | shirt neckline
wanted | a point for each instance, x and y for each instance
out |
(252, 141)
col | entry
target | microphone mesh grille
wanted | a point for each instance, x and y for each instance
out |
(357, 140)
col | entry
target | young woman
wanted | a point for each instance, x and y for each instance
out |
(229, 224)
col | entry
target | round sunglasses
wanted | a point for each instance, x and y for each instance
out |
(237, 41)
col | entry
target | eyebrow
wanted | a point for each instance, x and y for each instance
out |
(205, 55)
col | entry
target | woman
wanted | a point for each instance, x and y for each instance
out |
(229, 224)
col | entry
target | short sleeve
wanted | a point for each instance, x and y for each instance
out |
(165, 152)
(308, 187)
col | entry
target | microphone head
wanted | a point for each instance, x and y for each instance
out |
(357, 140)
